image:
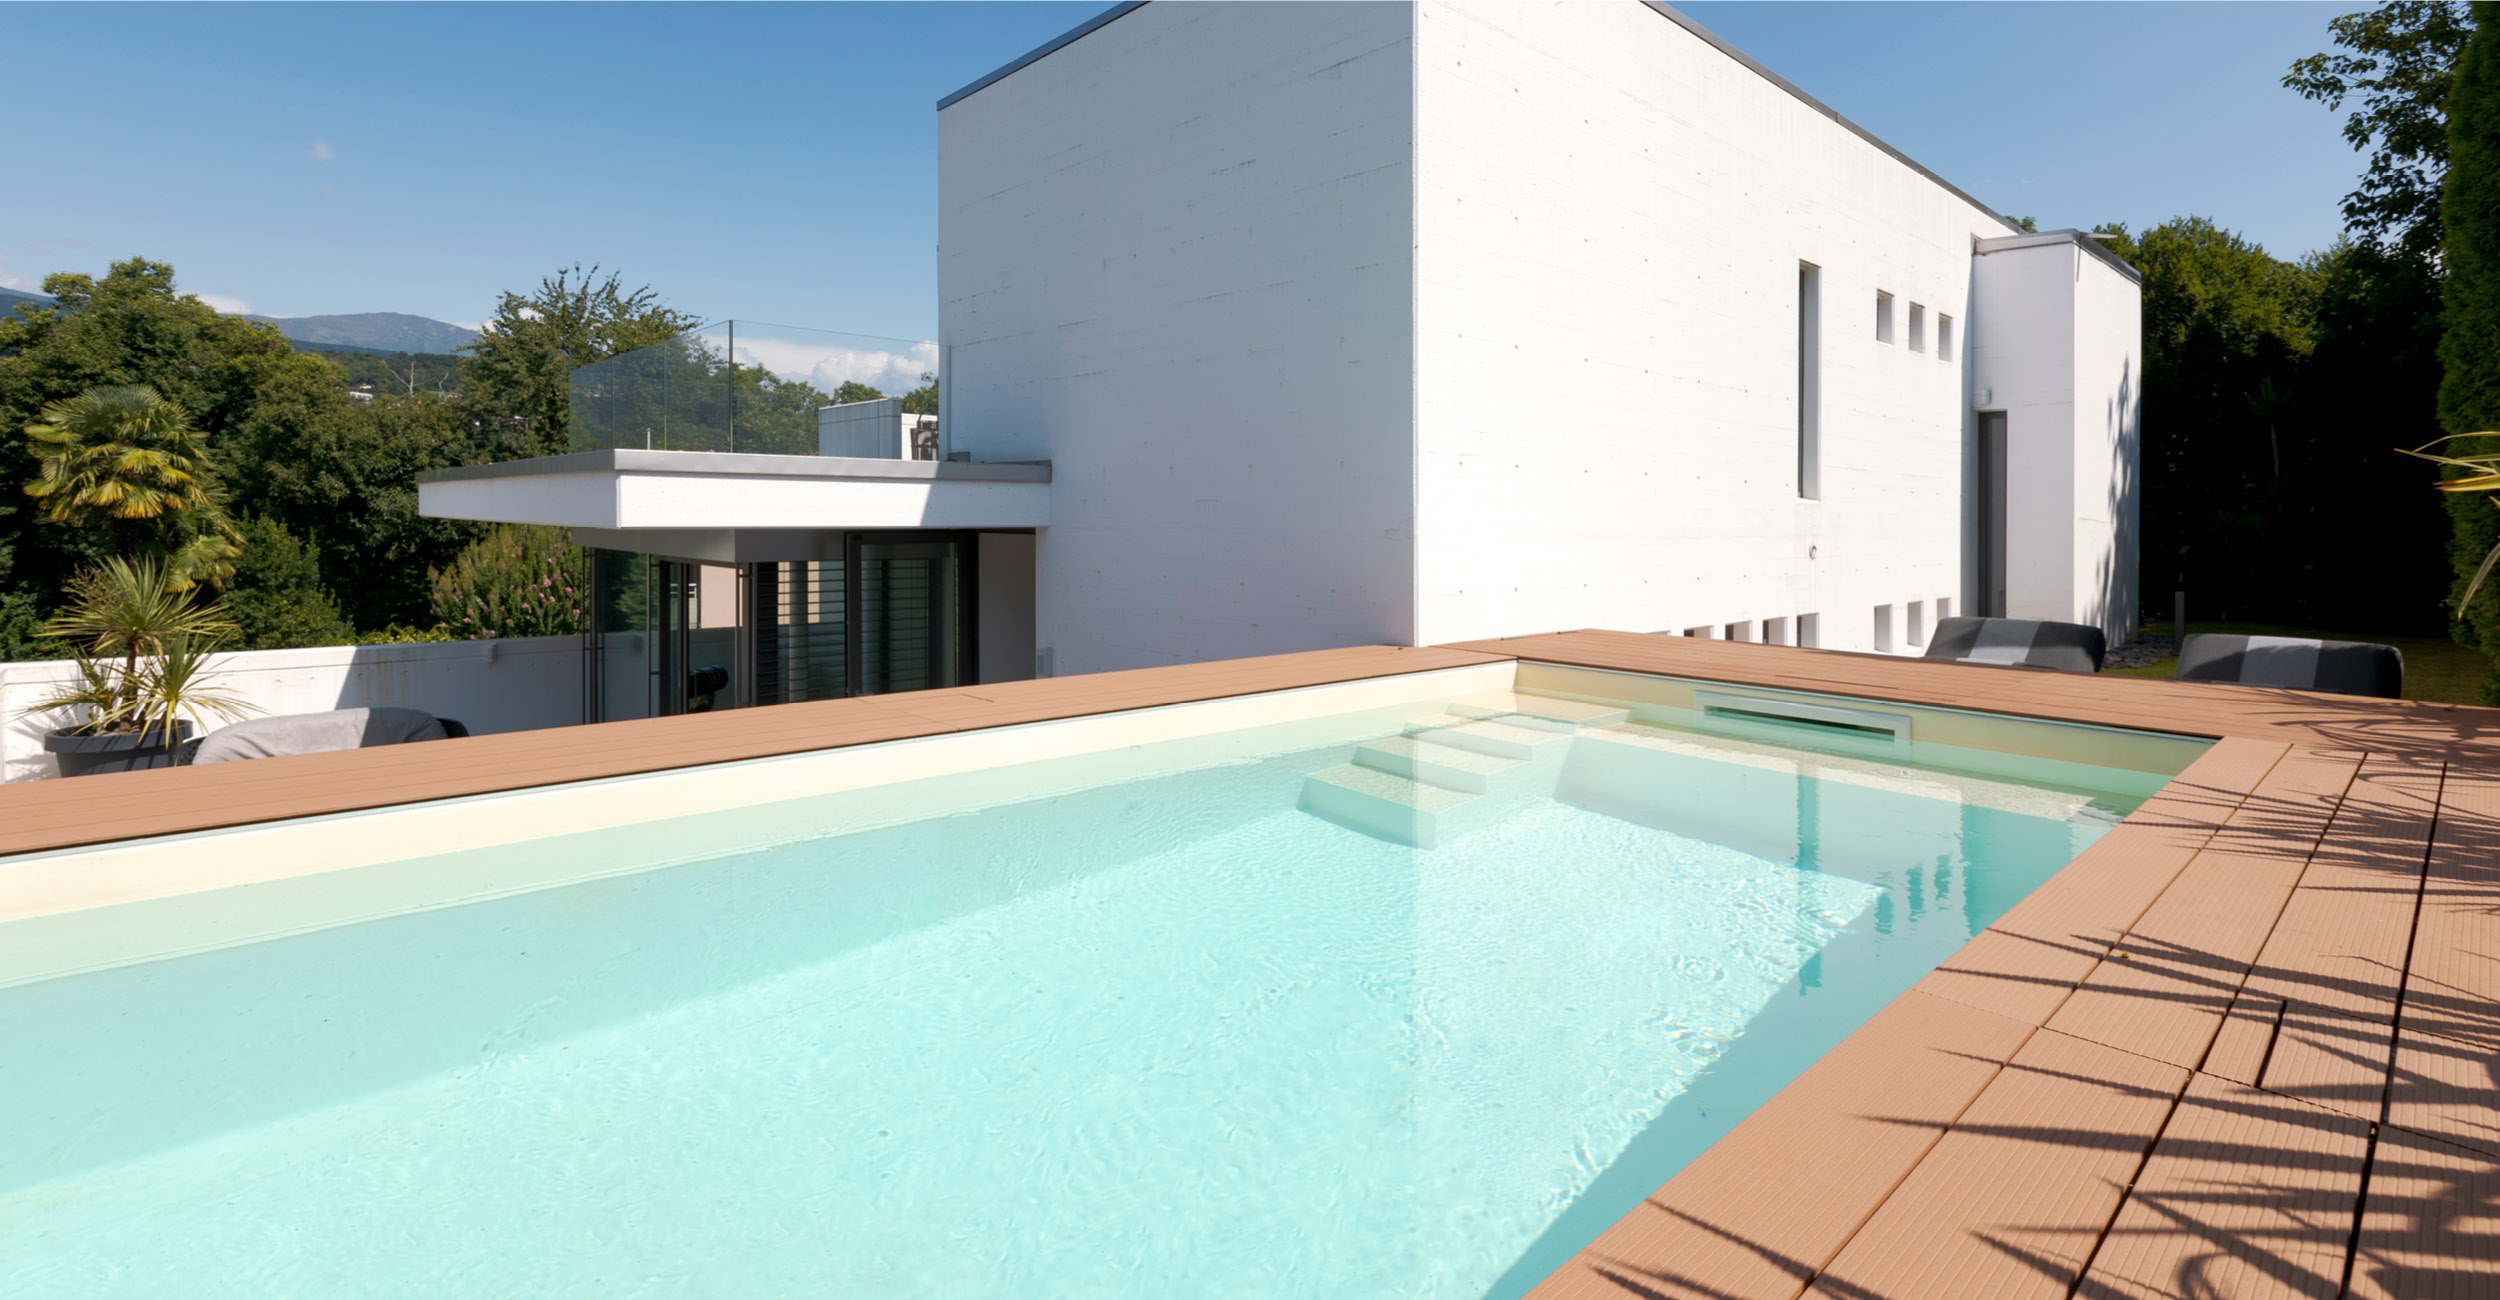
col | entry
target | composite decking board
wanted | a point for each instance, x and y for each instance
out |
(2430, 1225)
(2197, 708)
(2011, 1201)
(2170, 980)
(2447, 1089)
(2247, 1194)
(1762, 1212)
(2454, 989)
(48, 815)
(2334, 963)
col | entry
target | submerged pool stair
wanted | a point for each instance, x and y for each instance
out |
(1458, 771)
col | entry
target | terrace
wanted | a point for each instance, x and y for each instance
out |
(2241, 1046)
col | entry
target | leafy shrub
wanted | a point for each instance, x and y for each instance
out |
(517, 580)
(276, 596)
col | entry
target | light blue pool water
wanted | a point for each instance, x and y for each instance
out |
(1172, 1037)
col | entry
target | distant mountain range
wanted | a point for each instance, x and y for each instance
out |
(373, 331)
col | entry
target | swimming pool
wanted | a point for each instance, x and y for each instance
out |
(1191, 1010)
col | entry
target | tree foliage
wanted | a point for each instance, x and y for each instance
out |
(125, 462)
(276, 595)
(517, 376)
(517, 580)
(2469, 351)
(2271, 392)
(2398, 60)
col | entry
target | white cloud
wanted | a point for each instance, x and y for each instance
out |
(479, 326)
(19, 282)
(230, 306)
(320, 151)
(826, 366)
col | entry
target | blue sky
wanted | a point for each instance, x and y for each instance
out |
(778, 162)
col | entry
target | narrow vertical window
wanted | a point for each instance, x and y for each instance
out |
(1809, 630)
(1809, 381)
(1883, 628)
(1944, 337)
(1918, 328)
(1883, 317)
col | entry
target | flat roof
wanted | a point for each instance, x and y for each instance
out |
(635, 460)
(1118, 11)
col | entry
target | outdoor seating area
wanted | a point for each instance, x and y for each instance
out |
(2020, 642)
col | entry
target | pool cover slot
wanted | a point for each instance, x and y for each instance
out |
(1753, 712)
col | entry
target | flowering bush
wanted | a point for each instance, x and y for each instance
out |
(517, 580)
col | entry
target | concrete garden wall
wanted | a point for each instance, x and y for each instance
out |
(510, 685)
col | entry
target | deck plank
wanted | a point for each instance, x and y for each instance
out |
(1761, 1212)
(2430, 1229)
(2248, 1194)
(2011, 1202)
(2179, 968)
(2335, 961)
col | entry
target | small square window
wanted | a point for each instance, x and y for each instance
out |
(1702, 633)
(1883, 317)
(1775, 631)
(1918, 328)
(1740, 631)
(1944, 337)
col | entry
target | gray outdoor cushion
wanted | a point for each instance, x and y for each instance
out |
(2031, 642)
(2340, 667)
(316, 733)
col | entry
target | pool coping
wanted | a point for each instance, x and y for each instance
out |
(2245, 1037)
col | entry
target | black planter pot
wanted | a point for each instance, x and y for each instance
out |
(83, 754)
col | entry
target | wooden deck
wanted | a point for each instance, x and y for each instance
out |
(2247, 1045)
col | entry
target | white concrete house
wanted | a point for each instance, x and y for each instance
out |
(1279, 327)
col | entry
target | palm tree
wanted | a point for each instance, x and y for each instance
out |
(128, 461)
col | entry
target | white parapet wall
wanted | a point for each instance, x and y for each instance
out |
(519, 684)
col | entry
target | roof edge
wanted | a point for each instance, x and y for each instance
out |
(2045, 238)
(1047, 48)
(1672, 14)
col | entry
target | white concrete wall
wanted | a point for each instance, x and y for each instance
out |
(2023, 356)
(2059, 350)
(491, 686)
(2109, 439)
(1610, 216)
(1175, 259)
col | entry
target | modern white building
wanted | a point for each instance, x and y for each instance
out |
(1279, 327)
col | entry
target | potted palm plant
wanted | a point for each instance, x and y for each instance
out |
(143, 652)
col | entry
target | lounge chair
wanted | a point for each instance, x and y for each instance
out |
(316, 733)
(2303, 664)
(2027, 642)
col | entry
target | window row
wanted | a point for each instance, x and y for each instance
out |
(1803, 630)
(1918, 326)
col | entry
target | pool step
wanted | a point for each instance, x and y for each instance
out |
(1540, 711)
(1447, 766)
(1484, 758)
(1500, 737)
(1398, 809)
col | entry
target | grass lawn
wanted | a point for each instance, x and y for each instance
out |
(2436, 668)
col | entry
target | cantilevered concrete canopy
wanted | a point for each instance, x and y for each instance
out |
(633, 489)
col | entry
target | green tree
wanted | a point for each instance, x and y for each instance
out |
(276, 596)
(924, 399)
(854, 391)
(125, 462)
(517, 580)
(131, 327)
(2469, 350)
(2227, 331)
(2399, 60)
(516, 377)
